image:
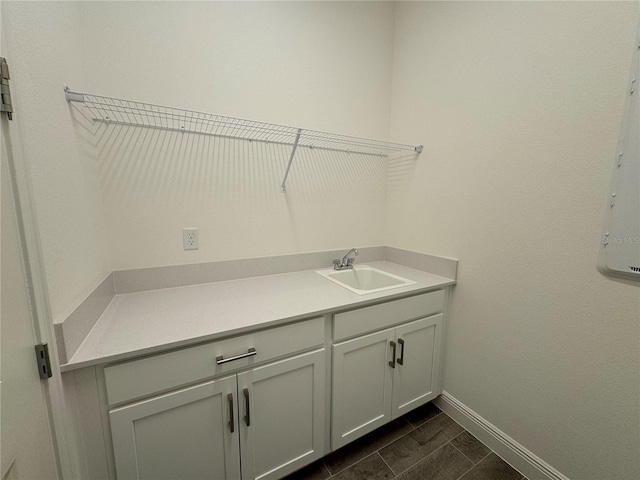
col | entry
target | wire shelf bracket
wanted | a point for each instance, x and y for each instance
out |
(133, 113)
(283, 186)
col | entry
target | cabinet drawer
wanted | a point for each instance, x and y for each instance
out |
(139, 378)
(377, 317)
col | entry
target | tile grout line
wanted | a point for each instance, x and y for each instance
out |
(490, 451)
(377, 451)
(410, 424)
(327, 469)
(466, 456)
(423, 459)
(485, 457)
(467, 471)
(473, 464)
(412, 428)
(415, 427)
(388, 466)
(374, 451)
(476, 464)
(353, 464)
(462, 453)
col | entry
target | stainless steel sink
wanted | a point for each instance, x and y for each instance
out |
(364, 279)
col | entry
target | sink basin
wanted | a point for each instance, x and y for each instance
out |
(364, 279)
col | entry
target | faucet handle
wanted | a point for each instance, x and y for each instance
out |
(336, 264)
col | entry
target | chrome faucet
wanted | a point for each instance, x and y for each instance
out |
(346, 262)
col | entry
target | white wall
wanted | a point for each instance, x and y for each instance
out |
(118, 198)
(44, 44)
(318, 65)
(519, 105)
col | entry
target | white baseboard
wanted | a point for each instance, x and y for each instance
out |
(523, 460)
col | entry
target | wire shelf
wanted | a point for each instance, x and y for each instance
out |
(129, 112)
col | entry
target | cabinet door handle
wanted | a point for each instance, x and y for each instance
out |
(401, 359)
(251, 352)
(392, 362)
(247, 417)
(231, 420)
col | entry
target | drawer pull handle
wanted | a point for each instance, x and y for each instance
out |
(247, 417)
(220, 358)
(401, 359)
(392, 362)
(231, 420)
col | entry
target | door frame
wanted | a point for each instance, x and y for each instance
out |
(62, 434)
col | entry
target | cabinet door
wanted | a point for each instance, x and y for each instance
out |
(416, 378)
(282, 408)
(180, 435)
(361, 397)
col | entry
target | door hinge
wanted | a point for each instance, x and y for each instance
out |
(42, 358)
(5, 93)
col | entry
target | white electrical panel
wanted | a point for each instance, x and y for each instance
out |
(620, 247)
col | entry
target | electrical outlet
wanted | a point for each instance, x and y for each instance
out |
(190, 239)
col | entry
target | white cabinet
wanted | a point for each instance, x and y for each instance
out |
(382, 375)
(263, 422)
(416, 375)
(256, 406)
(191, 433)
(361, 387)
(282, 416)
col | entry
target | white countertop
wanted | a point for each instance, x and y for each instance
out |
(141, 323)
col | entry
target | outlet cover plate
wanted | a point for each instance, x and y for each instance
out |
(190, 239)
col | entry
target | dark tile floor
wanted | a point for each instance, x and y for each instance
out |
(425, 444)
